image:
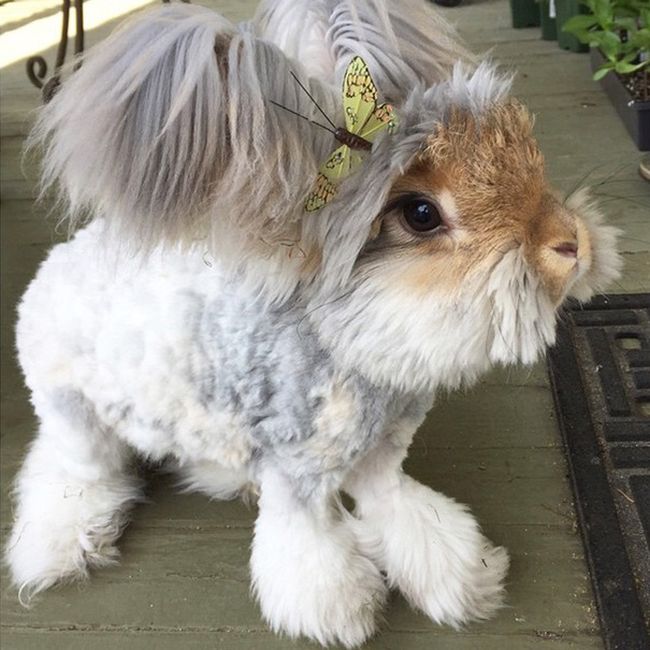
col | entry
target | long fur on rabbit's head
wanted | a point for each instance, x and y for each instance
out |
(168, 131)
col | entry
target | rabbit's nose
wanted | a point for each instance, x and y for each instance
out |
(567, 248)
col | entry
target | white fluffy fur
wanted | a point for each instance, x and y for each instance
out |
(308, 570)
(220, 350)
(430, 547)
(74, 493)
(605, 263)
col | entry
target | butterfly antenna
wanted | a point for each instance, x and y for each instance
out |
(322, 112)
(304, 117)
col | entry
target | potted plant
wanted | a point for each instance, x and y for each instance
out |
(565, 10)
(618, 32)
(548, 20)
(525, 13)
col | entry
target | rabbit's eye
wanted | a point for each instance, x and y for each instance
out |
(421, 216)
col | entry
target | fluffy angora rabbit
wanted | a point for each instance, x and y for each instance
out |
(206, 315)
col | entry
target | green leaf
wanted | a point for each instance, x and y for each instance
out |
(588, 3)
(644, 16)
(624, 12)
(610, 44)
(627, 68)
(629, 57)
(640, 40)
(602, 10)
(579, 23)
(600, 73)
(627, 23)
(583, 36)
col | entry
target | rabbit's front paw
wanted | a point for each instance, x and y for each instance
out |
(312, 581)
(335, 603)
(432, 549)
(460, 584)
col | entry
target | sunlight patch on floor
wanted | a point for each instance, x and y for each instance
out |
(38, 35)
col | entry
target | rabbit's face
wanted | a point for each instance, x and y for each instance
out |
(475, 193)
(470, 258)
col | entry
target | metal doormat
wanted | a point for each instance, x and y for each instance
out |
(600, 375)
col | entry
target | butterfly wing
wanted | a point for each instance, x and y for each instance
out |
(359, 95)
(383, 117)
(323, 192)
(339, 165)
(362, 115)
(342, 161)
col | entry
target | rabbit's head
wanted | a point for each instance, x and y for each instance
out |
(444, 251)
(469, 259)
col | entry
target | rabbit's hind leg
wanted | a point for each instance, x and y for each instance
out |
(308, 573)
(430, 546)
(72, 494)
(216, 480)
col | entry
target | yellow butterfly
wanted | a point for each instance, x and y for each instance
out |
(364, 121)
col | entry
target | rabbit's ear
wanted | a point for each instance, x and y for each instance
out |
(168, 131)
(404, 42)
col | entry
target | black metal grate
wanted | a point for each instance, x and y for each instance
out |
(600, 374)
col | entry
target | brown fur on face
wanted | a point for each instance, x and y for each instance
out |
(492, 169)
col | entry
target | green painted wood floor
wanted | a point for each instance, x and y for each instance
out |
(183, 579)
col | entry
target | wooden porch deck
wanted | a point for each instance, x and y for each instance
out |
(183, 579)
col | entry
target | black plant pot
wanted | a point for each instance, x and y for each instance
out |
(635, 114)
(549, 25)
(525, 13)
(567, 9)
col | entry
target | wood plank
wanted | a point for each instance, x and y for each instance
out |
(159, 585)
(502, 486)
(232, 639)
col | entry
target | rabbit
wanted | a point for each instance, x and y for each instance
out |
(201, 316)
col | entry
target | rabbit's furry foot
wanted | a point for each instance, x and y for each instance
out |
(432, 549)
(331, 599)
(310, 578)
(43, 553)
(64, 524)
